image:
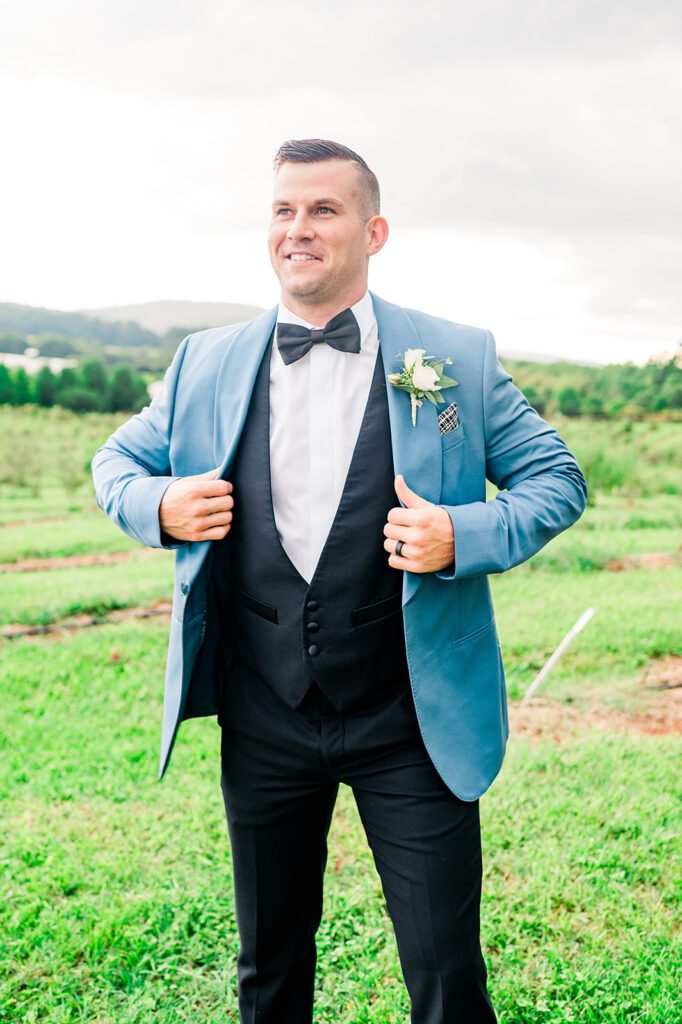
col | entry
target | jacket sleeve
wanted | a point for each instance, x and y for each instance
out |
(542, 490)
(131, 470)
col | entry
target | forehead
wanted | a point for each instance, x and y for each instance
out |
(324, 179)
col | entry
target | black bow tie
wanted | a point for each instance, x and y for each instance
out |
(342, 332)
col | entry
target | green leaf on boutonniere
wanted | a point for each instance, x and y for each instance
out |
(422, 376)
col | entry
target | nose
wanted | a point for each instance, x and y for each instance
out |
(300, 227)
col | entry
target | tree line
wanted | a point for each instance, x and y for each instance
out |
(90, 387)
(614, 391)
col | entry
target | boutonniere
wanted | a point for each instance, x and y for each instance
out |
(422, 376)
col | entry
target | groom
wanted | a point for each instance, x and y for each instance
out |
(331, 601)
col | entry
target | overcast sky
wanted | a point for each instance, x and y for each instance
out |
(529, 155)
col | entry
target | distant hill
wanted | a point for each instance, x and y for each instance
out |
(30, 321)
(162, 315)
(122, 326)
(541, 357)
(146, 324)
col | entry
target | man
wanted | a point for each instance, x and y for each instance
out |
(331, 601)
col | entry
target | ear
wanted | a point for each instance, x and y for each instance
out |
(377, 233)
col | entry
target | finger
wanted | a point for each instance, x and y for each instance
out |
(405, 516)
(215, 519)
(213, 488)
(407, 495)
(400, 532)
(397, 562)
(215, 533)
(405, 551)
(221, 503)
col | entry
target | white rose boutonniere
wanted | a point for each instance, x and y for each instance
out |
(422, 376)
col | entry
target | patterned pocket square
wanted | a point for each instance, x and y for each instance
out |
(448, 418)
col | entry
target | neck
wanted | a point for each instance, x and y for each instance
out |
(320, 313)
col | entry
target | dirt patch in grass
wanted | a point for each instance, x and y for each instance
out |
(154, 610)
(653, 708)
(648, 560)
(663, 673)
(72, 561)
(33, 520)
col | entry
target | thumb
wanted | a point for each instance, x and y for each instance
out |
(210, 473)
(407, 496)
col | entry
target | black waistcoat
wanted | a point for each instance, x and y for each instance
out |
(344, 630)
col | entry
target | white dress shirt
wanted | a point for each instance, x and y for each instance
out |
(316, 408)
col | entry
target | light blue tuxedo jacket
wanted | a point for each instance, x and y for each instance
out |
(193, 425)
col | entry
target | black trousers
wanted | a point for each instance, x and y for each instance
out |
(280, 772)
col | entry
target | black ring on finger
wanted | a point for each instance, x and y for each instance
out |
(399, 546)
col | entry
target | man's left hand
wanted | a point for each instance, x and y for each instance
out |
(425, 528)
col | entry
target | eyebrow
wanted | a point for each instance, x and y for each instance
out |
(329, 201)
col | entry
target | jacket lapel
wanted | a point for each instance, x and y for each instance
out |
(234, 385)
(416, 449)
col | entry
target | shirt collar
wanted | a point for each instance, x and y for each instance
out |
(363, 311)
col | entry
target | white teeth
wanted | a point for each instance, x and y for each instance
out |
(300, 256)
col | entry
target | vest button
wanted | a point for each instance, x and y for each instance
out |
(312, 605)
(313, 650)
(313, 627)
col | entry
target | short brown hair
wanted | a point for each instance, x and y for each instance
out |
(310, 151)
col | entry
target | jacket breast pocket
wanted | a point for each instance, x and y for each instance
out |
(453, 438)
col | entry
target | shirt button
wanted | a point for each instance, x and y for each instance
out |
(313, 626)
(184, 587)
(313, 650)
(312, 605)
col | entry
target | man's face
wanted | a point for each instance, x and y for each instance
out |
(318, 243)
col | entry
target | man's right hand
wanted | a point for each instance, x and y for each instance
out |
(197, 507)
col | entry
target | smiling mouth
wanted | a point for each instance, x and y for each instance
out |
(300, 257)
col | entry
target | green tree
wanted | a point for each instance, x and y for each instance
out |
(593, 406)
(569, 401)
(78, 399)
(46, 387)
(66, 378)
(94, 376)
(23, 387)
(6, 386)
(126, 390)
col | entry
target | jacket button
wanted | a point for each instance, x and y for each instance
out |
(312, 605)
(313, 626)
(184, 587)
(313, 650)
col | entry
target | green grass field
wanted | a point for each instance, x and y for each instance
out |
(117, 892)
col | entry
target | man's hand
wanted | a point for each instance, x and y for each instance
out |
(426, 530)
(197, 507)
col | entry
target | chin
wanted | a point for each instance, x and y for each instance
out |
(304, 289)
